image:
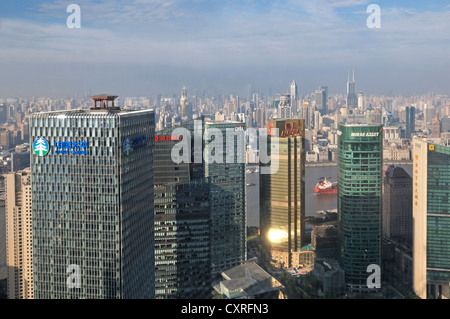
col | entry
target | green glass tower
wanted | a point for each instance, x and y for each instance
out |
(431, 219)
(359, 201)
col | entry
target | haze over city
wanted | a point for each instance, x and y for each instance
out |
(148, 47)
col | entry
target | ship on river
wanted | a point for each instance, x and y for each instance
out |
(324, 186)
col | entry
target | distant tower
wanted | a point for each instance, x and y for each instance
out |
(321, 100)
(361, 101)
(285, 107)
(410, 120)
(185, 106)
(294, 95)
(352, 99)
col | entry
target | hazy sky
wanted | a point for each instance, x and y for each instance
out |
(145, 47)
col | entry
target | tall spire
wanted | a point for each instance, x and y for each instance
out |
(353, 75)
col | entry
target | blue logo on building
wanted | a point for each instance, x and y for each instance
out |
(134, 144)
(68, 147)
(127, 146)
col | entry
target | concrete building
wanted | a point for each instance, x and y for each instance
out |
(397, 206)
(19, 249)
(330, 275)
(249, 281)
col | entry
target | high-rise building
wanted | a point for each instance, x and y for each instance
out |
(19, 249)
(361, 101)
(431, 219)
(224, 166)
(359, 201)
(185, 106)
(321, 100)
(182, 221)
(294, 95)
(282, 192)
(397, 206)
(285, 107)
(352, 99)
(436, 126)
(93, 209)
(410, 120)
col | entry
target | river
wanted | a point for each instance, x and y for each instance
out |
(313, 202)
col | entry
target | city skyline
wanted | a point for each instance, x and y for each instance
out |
(161, 46)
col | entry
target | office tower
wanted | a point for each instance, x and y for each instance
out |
(307, 114)
(282, 192)
(224, 166)
(397, 206)
(20, 158)
(19, 250)
(294, 95)
(3, 113)
(352, 99)
(317, 120)
(92, 191)
(185, 106)
(431, 218)
(359, 201)
(436, 126)
(321, 100)
(410, 120)
(428, 115)
(361, 101)
(285, 107)
(182, 221)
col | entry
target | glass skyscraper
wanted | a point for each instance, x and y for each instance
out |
(224, 166)
(431, 218)
(359, 201)
(182, 221)
(282, 192)
(410, 120)
(200, 206)
(92, 202)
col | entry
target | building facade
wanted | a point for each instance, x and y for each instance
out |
(397, 206)
(282, 193)
(359, 201)
(431, 216)
(182, 221)
(224, 166)
(410, 120)
(19, 249)
(93, 210)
